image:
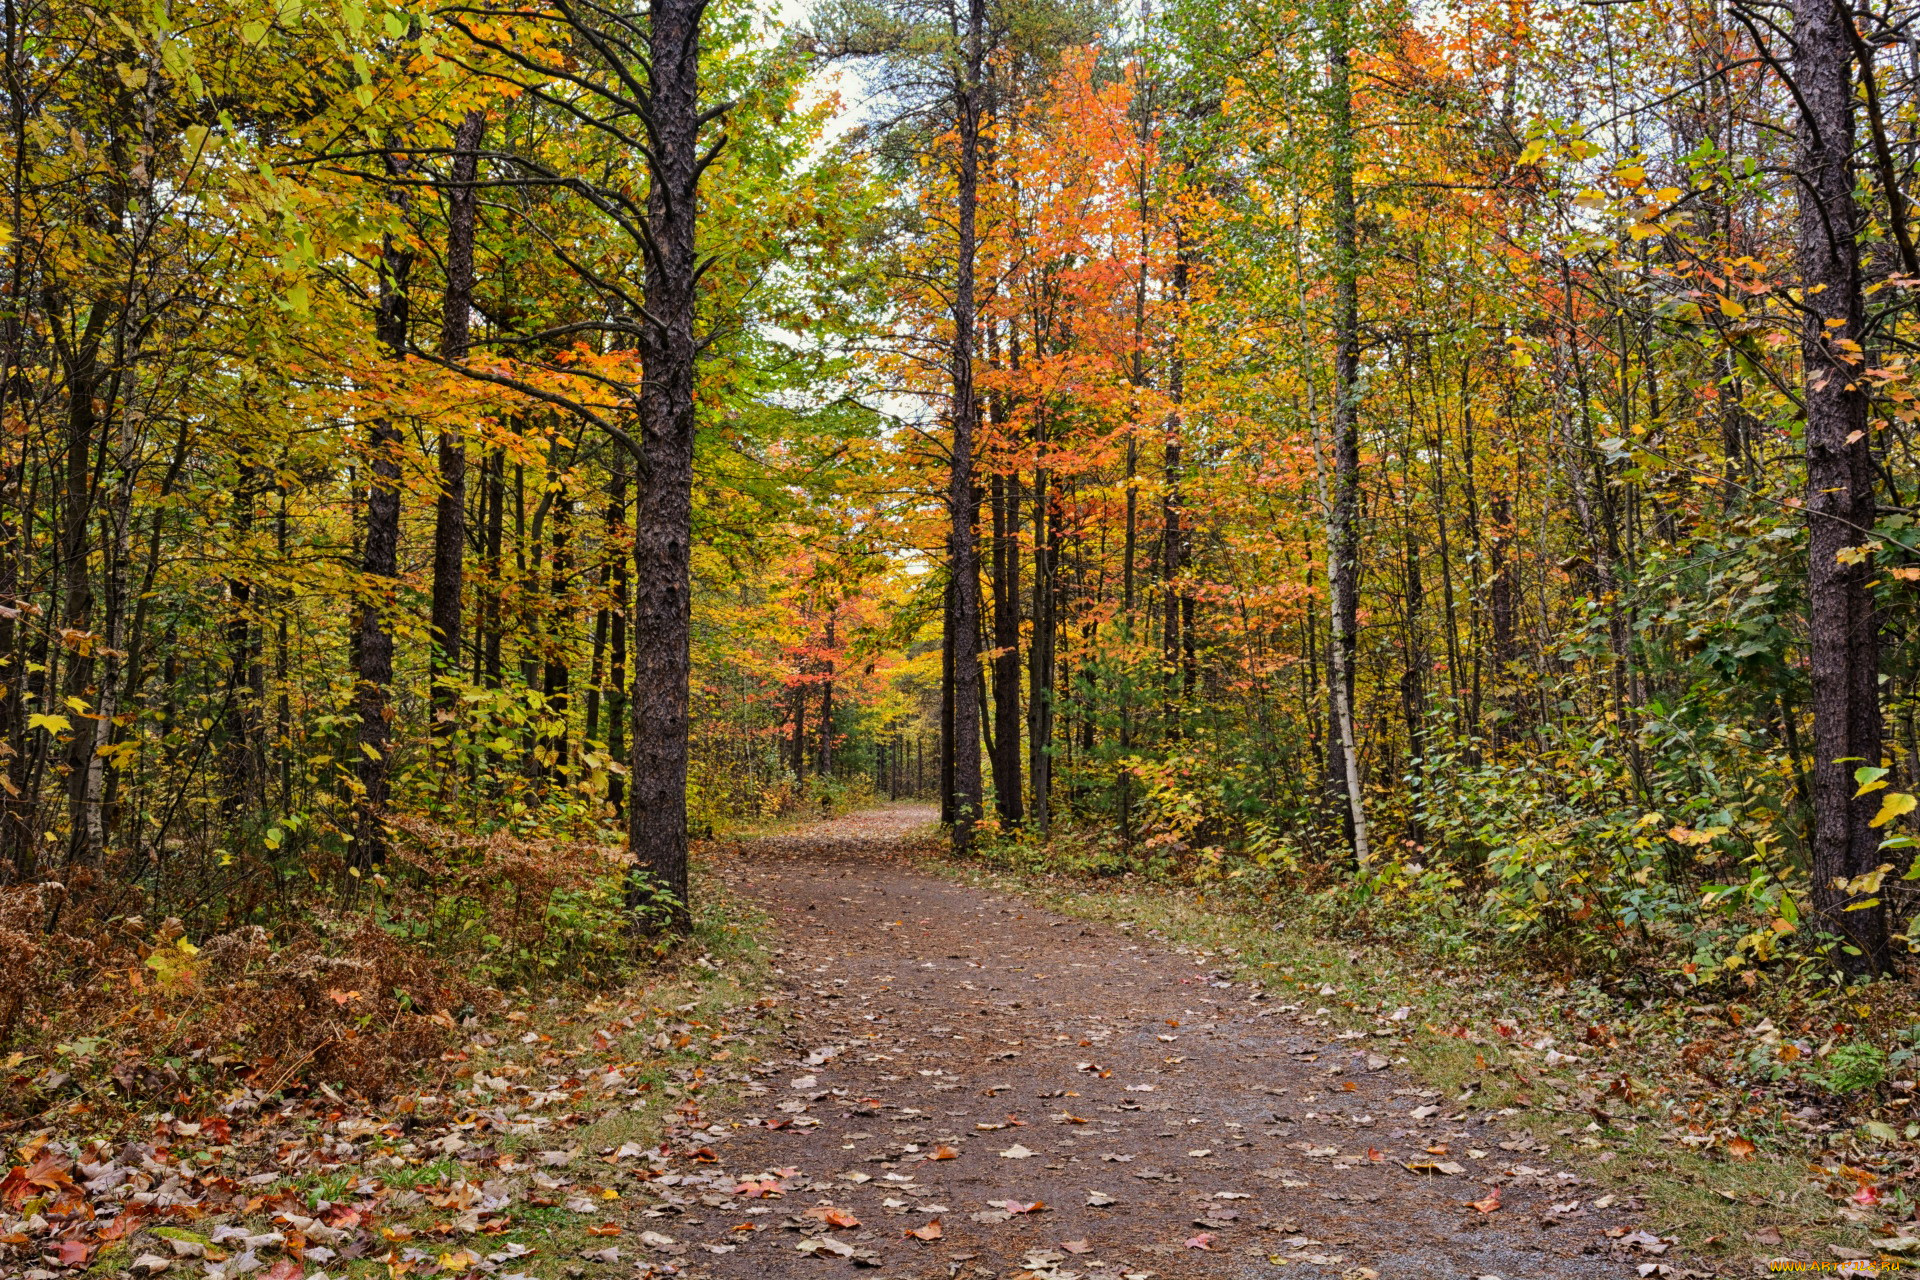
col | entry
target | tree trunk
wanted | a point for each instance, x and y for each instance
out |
(963, 551)
(1006, 645)
(663, 516)
(379, 567)
(1343, 540)
(797, 746)
(826, 704)
(617, 657)
(450, 508)
(1041, 668)
(1843, 630)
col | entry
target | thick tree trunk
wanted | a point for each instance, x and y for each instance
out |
(963, 549)
(379, 568)
(450, 509)
(663, 516)
(1843, 630)
(84, 377)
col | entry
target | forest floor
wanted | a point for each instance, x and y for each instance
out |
(877, 1058)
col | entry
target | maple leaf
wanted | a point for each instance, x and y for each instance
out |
(74, 1253)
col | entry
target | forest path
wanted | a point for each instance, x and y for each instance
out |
(1172, 1121)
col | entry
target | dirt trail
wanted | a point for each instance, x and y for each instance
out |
(1173, 1123)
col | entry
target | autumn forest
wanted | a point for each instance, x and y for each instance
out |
(1447, 471)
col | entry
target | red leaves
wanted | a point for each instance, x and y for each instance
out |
(753, 1189)
(1202, 1241)
(1487, 1205)
(46, 1173)
(285, 1269)
(74, 1253)
(932, 1231)
(832, 1216)
(126, 1224)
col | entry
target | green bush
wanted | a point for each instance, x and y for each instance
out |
(1854, 1067)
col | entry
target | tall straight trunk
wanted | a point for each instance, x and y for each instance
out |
(962, 545)
(556, 679)
(243, 756)
(1040, 660)
(16, 805)
(1843, 630)
(1343, 532)
(663, 514)
(1006, 650)
(945, 762)
(450, 508)
(1413, 668)
(1176, 631)
(496, 505)
(797, 748)
(81, 366)
(1503, 595)
(826, 704)
(617, 656)
(379, 568)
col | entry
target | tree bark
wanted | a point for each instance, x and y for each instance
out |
(1843, 629)
(617, 657)
(663, 516)
(450, 508)
(1343, 541)
(963, 549)
(379, 567)
(826, 703)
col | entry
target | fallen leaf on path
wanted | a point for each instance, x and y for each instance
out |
(932, 1231)
(832, 1216)
(1018, 1206)
(1099, 1199)
(943, 1152)
(1202, 1241)
(1076, 1246)
(1487, 1205)
(1016, 1152)
(826, 1244)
